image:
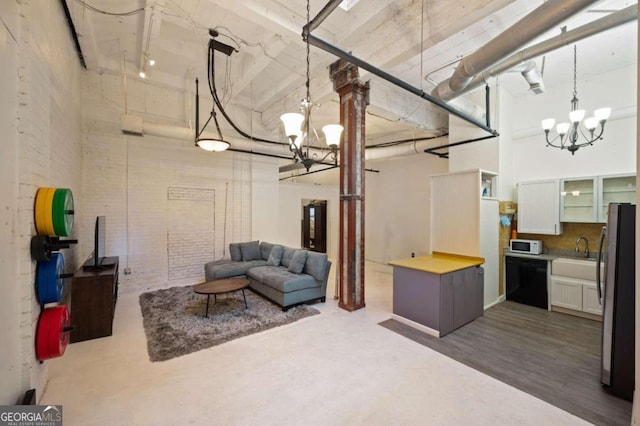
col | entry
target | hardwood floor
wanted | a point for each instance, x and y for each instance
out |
(553, 356)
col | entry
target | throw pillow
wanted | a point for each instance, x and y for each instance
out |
(297, 261)
(250, 250)
(234, 251)
(276, 256)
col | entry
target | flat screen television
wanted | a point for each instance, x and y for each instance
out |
(98, 259)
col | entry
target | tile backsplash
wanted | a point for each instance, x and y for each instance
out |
(570, 233)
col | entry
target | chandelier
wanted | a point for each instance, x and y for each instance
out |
(570, 132)
(296, 125)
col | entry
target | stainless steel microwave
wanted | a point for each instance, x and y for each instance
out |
(526, 246)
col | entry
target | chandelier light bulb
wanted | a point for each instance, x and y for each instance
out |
(548, 123)
(217, 145)
(562, 128)
(591, 123)
(292, 124)
(602, 114)
(576, 116)
(332, 134)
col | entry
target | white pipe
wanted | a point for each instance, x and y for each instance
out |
(542, 19)
(136, 126)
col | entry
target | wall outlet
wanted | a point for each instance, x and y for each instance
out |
(413, 254)
(127, 271)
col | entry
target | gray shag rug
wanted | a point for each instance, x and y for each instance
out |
(175, 325)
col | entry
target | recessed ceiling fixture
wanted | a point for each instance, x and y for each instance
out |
(142, 74)
(348, 4)
(570, 132)
(296, 125)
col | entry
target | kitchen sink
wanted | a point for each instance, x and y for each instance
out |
(584, 269)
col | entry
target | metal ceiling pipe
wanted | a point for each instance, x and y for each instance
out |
(133, 125)
(542, 19)
(615, 19)
(320, 17)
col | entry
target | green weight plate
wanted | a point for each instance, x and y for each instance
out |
(58, 211)
(68, 213)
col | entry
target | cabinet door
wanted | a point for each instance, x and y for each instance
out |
(566, 293)
(578, 200)
(538, 207)
(615, 189)
(590, 302)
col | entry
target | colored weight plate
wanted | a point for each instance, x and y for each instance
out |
(68, 207)
(48, 218)
(57, 212)
(52, 334)
(49, 280)
(39, 210)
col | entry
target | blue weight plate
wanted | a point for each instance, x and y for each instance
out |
(48, 282)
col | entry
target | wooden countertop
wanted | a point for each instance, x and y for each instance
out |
(438, 263)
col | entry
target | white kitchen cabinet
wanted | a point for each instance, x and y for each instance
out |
(590, 301)
(538, 207)
(465, 222)
(566, 293)
(615, 189)
(575, 294)
(579, 200)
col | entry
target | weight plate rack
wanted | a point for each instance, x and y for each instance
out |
(53, 218)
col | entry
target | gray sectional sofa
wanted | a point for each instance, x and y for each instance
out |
(284, 275)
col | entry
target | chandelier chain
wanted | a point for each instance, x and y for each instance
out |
(307, 40)
(575, 55)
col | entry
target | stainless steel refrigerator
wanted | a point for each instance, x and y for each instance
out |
(617, 295)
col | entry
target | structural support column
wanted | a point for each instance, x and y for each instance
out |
(354, 98)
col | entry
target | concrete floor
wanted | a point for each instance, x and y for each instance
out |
(336, 368)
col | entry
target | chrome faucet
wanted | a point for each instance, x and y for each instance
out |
(586, 246)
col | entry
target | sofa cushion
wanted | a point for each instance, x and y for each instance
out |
(250, 251)
(234, 251)
(287, 254)
(265, 249)
(276, 256)
(282, 280)
(316, 265)
(296, 265)
(229, 268)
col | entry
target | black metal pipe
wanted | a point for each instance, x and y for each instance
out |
(320, 17)
(396, 81)
(487, 105)
(74, 34)
(195, 139)
(432, 151)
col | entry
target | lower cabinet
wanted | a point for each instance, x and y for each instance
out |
(574, 294)
(441, 302)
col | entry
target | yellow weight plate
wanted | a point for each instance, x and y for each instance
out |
(40, 210)
(48, 218)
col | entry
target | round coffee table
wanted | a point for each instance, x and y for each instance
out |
(225, 285)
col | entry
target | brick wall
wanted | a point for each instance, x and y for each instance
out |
(163, 238)
(45, 132)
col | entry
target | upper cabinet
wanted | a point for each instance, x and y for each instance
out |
(615, 189)
(538, 207)
(579, 200)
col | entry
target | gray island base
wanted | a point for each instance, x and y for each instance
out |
(438, 293)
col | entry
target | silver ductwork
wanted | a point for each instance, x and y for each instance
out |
(530, 72)
(623, 16)
(542, 19)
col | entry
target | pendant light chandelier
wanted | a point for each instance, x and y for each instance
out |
(208, 143)
(296, 125)
(569, 132)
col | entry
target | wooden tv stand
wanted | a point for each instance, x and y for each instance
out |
(92, 301)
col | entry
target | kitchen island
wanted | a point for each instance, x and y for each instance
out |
(438, 293)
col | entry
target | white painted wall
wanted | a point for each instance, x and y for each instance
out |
(532, 160)
(290, 214)
(11, 360)
(40, 124)
(397, 206)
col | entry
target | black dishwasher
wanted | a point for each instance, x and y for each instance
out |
(527, 281)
